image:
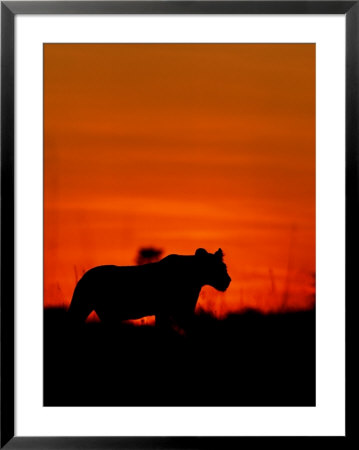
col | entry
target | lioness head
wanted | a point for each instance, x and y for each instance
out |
(212, 269)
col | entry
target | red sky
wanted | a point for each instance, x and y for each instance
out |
(181, 146)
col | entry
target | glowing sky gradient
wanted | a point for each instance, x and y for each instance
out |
(181, 146)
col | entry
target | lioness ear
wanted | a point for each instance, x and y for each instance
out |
(201, 252)
(219, 253)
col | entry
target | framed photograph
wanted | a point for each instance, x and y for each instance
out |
(178, 222)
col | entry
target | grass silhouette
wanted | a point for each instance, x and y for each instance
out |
(247, 359)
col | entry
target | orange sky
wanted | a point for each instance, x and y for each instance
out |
(181, 146)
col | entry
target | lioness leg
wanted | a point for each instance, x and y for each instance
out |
(167, 324)
(81, 306)
(163, 322)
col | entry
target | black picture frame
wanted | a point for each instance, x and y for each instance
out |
(9, 10)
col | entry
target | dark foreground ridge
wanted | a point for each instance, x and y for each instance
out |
(247, 359)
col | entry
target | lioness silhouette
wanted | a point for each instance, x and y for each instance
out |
(168, 289)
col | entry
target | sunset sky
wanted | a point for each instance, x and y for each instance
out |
(180, 146)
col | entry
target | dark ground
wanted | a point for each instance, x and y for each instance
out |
(247, 359)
